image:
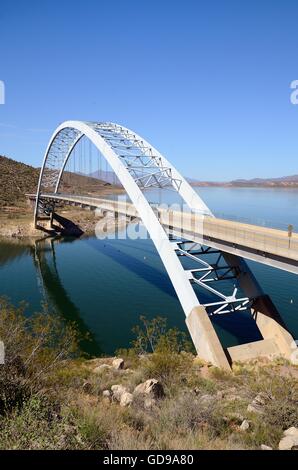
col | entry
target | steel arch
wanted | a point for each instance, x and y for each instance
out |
(165, 248)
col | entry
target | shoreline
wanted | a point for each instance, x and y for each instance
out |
(20, 226)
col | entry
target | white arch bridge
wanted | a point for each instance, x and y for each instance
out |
(183, 240)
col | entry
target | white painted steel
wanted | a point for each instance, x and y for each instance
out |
(165, 248)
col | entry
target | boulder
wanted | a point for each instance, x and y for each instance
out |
(100, 369)
(151, 387)
(289, 440)
(118, 391)
(287, 443)
(291, 432)
(106, 393)
(258, 403)
(118, 363)
(244, 425)
(264, 447)
(126, 399)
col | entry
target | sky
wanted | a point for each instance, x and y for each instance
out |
(205, 82)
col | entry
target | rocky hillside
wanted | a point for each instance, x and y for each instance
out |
(17, 179)
(162, 398)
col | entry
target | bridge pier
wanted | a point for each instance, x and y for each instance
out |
(272, 327)
(205, 339)
(277, 341)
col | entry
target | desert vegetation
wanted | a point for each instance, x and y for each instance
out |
(155, 395)
(17, 179)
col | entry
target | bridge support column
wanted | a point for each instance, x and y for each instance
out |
(277, 340)
(205, 339)
(272, 327)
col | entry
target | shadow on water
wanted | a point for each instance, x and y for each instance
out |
(233, 329)
(45, 262)
(150, 274)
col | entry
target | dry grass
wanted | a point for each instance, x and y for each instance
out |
(45, 407)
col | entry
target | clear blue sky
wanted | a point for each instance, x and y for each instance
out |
(206, 82)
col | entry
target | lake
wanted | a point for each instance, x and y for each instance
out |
(105, 285)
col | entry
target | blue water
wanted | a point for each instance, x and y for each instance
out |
(106, 285)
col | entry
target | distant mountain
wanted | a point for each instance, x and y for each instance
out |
(107, 176)
(281, 182)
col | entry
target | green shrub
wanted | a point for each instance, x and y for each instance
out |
(34, 347)
(153, 336)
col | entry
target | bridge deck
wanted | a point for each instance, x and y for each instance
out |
(266, 245)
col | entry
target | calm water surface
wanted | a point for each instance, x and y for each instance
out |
(106, 285)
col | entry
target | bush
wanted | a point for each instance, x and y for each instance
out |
(168, 367)
(153, 336)
(38, 425)
(34, 347)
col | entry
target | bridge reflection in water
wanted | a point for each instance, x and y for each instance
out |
(55, 295)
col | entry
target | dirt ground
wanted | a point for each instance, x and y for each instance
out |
(18, 223)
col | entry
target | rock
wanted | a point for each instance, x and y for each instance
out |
(291, 432)
(151, 387)
(101, 368)
(287, 443)
(106, 393)
(252, 409)
(118, 363)
(262, 398)
(87, 387)
(264, 447)
(289, 440)
(244, 425)
(126, 399)
(118, 391)
(258, 403)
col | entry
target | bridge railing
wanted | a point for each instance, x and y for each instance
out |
(260, 238)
